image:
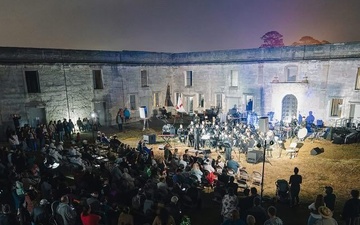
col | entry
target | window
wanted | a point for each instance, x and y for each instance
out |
(156, 99)
(234, 78)
(336, 106)
(357, 84)
(219, 101)
(291, 73)
(201, 101)
(98, 82)
(144, 78)
(177, 96)
(32, 81)
(132, 102)
(188, 79)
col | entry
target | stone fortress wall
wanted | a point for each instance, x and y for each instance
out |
(284, 80)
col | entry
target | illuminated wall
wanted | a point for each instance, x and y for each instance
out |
(314, 75)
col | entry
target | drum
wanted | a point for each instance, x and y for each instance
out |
(302, 133)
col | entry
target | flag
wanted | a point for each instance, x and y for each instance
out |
(180, 107)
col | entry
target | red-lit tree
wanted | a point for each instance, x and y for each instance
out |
(272, 39)
(308, 40)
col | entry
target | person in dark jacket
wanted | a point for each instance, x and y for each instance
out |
(351, 210)
(6, 217)
(41, 213)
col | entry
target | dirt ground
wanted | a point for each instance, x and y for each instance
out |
(338, 166)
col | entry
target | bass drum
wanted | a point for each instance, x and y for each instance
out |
(302, 133)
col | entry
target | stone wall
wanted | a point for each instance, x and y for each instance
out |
(66, 81)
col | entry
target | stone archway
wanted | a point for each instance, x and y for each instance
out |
(289, 107)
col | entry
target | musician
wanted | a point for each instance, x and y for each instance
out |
(228, 150)
(196, 118)
(197, 137)
(190, 137)
(164, 112)
(182, 134)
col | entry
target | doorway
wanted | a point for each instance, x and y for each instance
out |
(289, 108)
(189, 102)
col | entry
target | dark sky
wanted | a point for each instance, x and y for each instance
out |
(173, 25)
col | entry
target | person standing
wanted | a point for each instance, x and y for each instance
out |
(120, 119)
(228, 204)
(330, 198)
(16, 118)
(126, 114)
(197, 137)
(314, 210)
(295, 181)
(351, 210)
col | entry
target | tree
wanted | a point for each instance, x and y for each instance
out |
(272, 39)
(308, 40)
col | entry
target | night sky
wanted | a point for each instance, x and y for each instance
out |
(173, 25)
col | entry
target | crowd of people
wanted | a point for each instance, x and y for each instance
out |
(133, 186)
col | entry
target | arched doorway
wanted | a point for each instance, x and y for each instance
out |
(289, 108)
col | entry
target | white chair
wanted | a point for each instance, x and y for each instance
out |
(292, 150)
(256, 178)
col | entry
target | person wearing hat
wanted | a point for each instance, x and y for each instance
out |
(41, 213)
(326, 217)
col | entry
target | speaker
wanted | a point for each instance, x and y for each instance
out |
(264, 124)
(149, 139)
(316, 151)
(254, 156)
(143, 112)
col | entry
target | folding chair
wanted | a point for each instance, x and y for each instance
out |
(292, 150)
(256, 178)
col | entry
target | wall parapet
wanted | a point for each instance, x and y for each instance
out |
(286, 53)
